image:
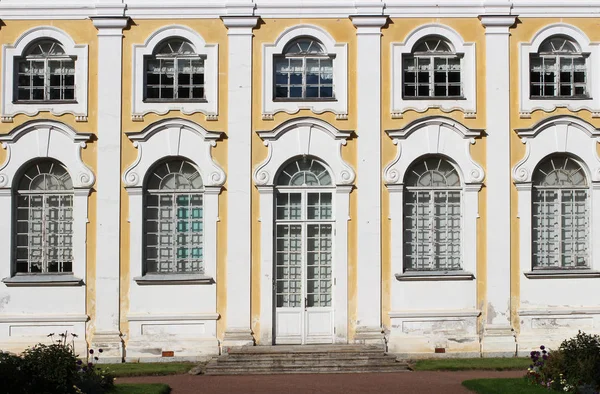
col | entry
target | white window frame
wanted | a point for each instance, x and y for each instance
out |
(443, 137)
(317, 138)
(339, 54)
(159, 141)
(52, 140)
(464, 50)
(590, 50)
(210, 54)
(10, 107)
(561, 134)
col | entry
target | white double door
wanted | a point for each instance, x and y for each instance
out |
(303, 288)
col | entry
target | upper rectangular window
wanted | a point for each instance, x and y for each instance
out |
(558, 70)
(303, 72)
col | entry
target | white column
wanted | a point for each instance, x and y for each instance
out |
(342, 215)
(267, 282)
(239, 180)
(108, 188)
(368, 82)
(498, 337)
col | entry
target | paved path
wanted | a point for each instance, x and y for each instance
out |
(400, 382)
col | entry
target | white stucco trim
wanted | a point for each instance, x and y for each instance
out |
(431, 136)
(10, 107)
(297, 137)
(339, 53)
(210, 54)
(38, 140)
(559, 134)
(466, 50)
(528, 105)
(174, 138)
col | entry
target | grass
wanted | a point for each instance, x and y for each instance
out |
(141, 388)
(472, 364)
(147, 369)
(504, 386)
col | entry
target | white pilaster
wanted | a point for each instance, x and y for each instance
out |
(239, 185)
(498, 337)
(108, 186)
(368, 81)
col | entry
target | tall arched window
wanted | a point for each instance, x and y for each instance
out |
(560, 214)
(304, 235)
(432, 69)
(174, 223)
(45, 73)
(558, 70)
(432, 216)
(44, 219)
(175, 72)
(303, 71)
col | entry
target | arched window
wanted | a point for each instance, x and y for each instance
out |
(174, 223)
(304, 235)
(45, 73)
(44, 219)
(303, 71)
(175, 72)
(432, 216)
(559, 69)
(560, 214)
(432, 69)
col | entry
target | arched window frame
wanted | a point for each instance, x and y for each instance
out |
(435, 136)
(565, 135)
(314, 138)
(587, 49)
(209, 52)
(10, 55)
(174, 138)
(60, 143)
(467, 103)
(336, 51)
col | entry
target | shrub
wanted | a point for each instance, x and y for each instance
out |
(12, 376)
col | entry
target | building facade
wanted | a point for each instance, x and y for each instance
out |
(177, 179)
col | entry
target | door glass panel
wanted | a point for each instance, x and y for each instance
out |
(318, 265)
(289, 265)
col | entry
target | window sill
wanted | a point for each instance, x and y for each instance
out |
(558, 98)
(433, 98)
(174, 279)
(561, 274)
(42, 280)
(174, 101)
(434, 275)
(304, 100)
(43, 102)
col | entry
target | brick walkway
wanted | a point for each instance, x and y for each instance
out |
(401, 382)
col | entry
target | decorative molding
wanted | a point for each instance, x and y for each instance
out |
(433, 314)
(559, 311)
(467, 104)
(339, 53)
(44, 318)
(42, 280)
(10, 107)
(172, 316)
(561, 274)
(301, 137)
(174, 279)
(528, 105)
(210, 54)
(434, 275)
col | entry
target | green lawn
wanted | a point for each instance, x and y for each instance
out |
(504, 386)
(147, 369)
(468, 364)
(141, 388)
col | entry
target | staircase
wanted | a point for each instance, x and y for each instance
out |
(254, 360)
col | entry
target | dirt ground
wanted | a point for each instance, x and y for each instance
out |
(398, 382)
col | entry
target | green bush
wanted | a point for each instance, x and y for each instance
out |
(13, 379)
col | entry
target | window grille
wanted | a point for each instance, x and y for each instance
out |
(433, 69)
(174, 219)
(558, 70)
(432, 216)
(304, 71)
(175, 72)
(45, 73)
(304, 235)
(560, 215)
(44, 220)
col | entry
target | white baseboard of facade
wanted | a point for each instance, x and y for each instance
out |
(153, 349)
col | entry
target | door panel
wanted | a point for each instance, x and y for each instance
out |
(288, 330)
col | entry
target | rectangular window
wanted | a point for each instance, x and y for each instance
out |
(175, 79)
(303, 78)
(558, 76)
(429, 76)
(46, 80)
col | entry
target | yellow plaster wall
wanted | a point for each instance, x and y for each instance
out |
(213, 32)
(398, 30)
(82, 32)
(342, 30)
(524, 31)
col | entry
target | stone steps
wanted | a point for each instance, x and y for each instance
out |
(304, 359)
